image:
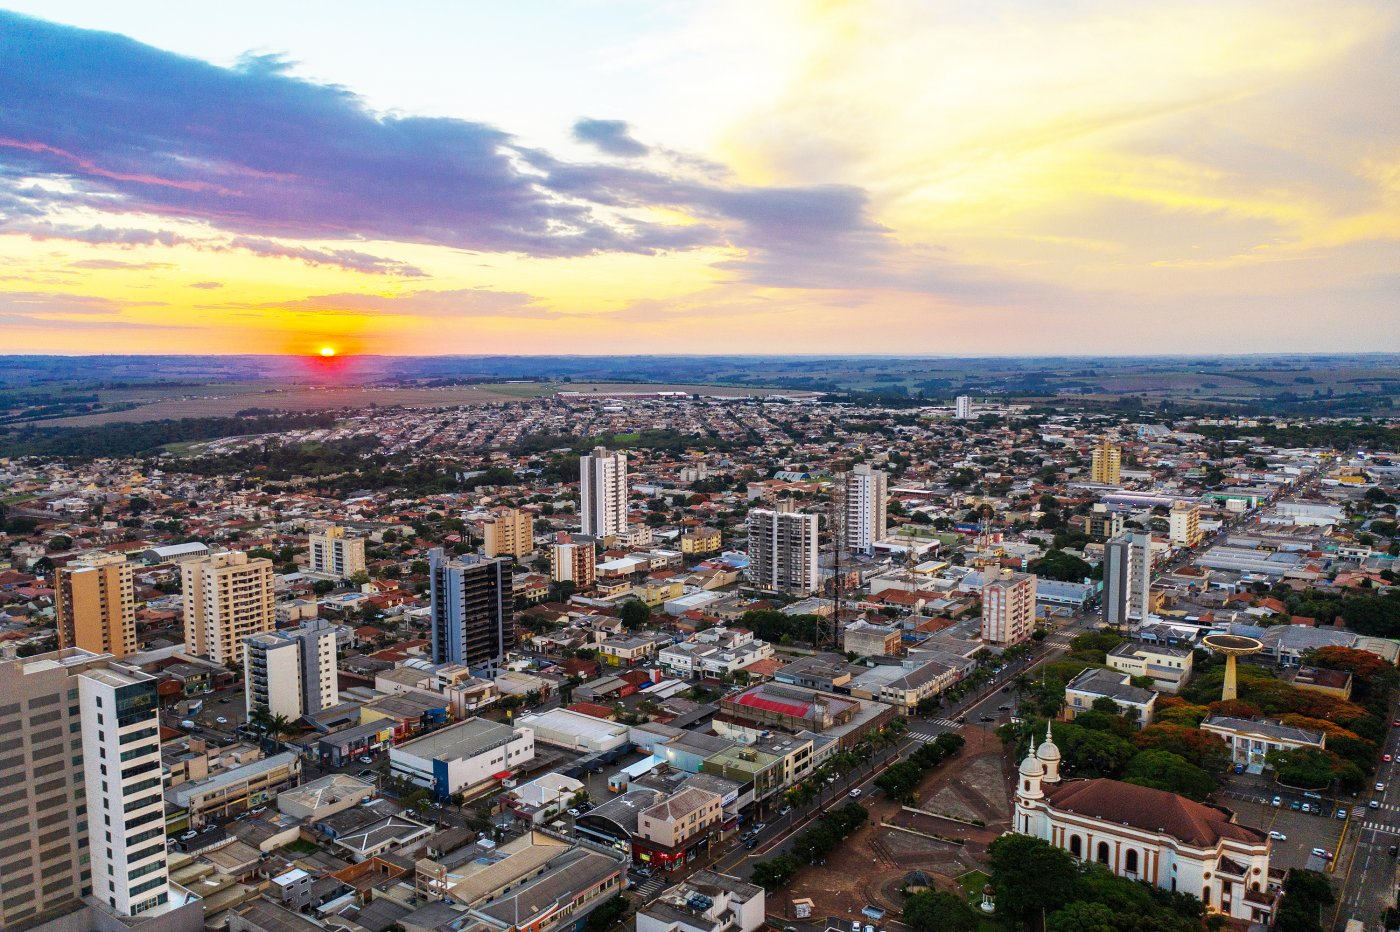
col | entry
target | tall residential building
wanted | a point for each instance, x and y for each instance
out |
(573, 559)
(1184, 524)
(866, 492)
(95, 605)
(1104, 524)
(962, 408)
(228, 597)
(783, 549)
(509, 532)
(334, 555)
(81, 811)
(1008, 607)
(1127, 578)
(603, 492)
(472, 619)
(292, 672)
(1107, 463)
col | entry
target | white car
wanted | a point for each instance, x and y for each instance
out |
(1380, 787)
(221, 720)
(1278, 836)
(854, 793)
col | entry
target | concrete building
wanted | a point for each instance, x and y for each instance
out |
(706, 901)
(1169, 667)
(1008, 607)
(1103, 524)
(236, 790)
(1096, 683)
(603, 492)
(870, 640)
(333, 555)
(473, 621)
(1250, 740)
(95, 605)
(292, 672)
(866, 493)
(463, 757)
(227, 598)
(575, 560)
(962, 408)
(509, 532)
(1127, 579)
(80, 741)
(702, 540)
(1184, 524)
(1148, 835)
(678, 828)
(1106, 467)
(575, 731)
(782, 550)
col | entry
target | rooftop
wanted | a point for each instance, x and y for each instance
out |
(462, 740)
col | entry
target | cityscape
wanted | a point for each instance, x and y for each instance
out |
(857, 467)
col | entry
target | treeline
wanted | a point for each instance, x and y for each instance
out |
(135, 439)
(659, 440)
(1340, 436)
(900, 780)
(339, 466)
(773, 626)
(811, 846)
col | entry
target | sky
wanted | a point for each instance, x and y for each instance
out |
(615, 177)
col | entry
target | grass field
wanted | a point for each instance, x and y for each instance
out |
(223, 399)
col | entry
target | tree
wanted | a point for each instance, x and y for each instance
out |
(1305, 768)
(608, 914)
(1029, 875)
(59, 542)
(936, 911)
(322, 586)
(359, 577)
(635, 614)
(1164, 770)
(774, 872)
(1083, 917)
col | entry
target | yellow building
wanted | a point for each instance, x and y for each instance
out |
(509, 532)
(227, 597)
(1184, 524)
(700, 540)
(1107, 466)
(95, 605)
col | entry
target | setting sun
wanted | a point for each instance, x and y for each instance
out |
(328, 351)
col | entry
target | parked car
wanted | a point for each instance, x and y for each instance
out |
(366, 775)
(1278, 836)
(1387, 758)
(221, 720)
(574, 812)
(1341, 813)
(366, 759)
(1239, 768)
(1296, 806)
(1278, 800)
(1324, 854)
(187, 724)
(854, 793)
(1380, 787)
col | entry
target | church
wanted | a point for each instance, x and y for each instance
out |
(1149, 835)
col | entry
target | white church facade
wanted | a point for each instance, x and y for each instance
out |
(1149, 835)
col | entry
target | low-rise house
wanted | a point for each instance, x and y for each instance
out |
(906, 684)
(543, 798)
(1334, 683)
(870, 640)
(1250, 740)
(335, 792)
(1169, 667)
(1095, 683)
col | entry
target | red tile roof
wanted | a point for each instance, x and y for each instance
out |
(1151, 810)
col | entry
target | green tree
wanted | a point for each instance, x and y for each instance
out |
(635, 614)
(1029, 876)
(1164, 770)
(936, 911)
(1083, 917)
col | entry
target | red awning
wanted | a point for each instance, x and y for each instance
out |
(503, 775)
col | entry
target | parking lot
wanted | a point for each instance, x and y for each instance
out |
(1251, 798)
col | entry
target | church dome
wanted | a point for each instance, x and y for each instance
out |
(1032, 767)
(1048, 751)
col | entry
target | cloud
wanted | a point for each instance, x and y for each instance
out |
(206, 285)
(444, 304)
(118, 264)
(92, 235)
(258, 153)
(341, 258)
(611, 137)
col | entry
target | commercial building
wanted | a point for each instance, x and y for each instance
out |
(228, 597)
(575, 731)
(1148, 835)
(1169, 667)
(232, 791)
(603, 492)
(463, 756)
(1250, 740)
(509, 532)
(333, 555)
(870, 640)
(705, 902)
(866, 493)
(573, 559)
(678, 828)
(782, 550)
(471, 611)
(95, 605)
(1106, 466)
(80, 735)
(292, 672)
(1008, 607)
(1184, 524)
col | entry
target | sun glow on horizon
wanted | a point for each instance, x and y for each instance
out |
(328, 351)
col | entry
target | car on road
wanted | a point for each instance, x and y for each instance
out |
(1374, 804)
(574, 812)
(988, 718)
(1380, 787)
(187, 724)
(1341, 813)
(1396, 723)
(854, 793)
(221, 720)
(1278, 836)
(366, 775)
(1278, 800)
(785, 810)
(366, 759)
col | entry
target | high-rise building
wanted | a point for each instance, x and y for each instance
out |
(228, 597)
(333, 555)
(1104, 524)
(292, 672)
(1184, 524)
(1127, 578)
(1008, 606)
(866, 492)
(81, 811)
(783, 549)
(472, 619)
(509, 532)
(962, 408)
(1107, 465)
(603, 492)
(573, 559)
(95, 605)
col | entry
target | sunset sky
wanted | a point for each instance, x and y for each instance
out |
(649, 177)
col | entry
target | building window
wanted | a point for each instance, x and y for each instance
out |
(1103, 852)
(1130, 861)
(1075, 848)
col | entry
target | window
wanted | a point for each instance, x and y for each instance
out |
(1130, 861)
(1103, 852)
(1076, 848)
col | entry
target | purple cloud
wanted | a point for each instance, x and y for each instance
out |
(206, 285)
(258, 153)
(118, 264)
(341, 258)
(611, 137)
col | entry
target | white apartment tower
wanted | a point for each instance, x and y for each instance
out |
(227, 598)
(335, 556)
(1127, 578)
(783, 549)
(962, 408)
(292, 672)
(866, 493)
(1008, 607)
(603, 492)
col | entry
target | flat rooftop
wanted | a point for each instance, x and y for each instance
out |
(463, 740)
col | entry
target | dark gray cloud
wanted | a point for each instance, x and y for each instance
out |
(612, 137)
(258, 153)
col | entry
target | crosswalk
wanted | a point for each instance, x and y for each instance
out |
(1381, 827)
(945, 722)
(651, 887)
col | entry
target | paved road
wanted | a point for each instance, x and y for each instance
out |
(1368, 873)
